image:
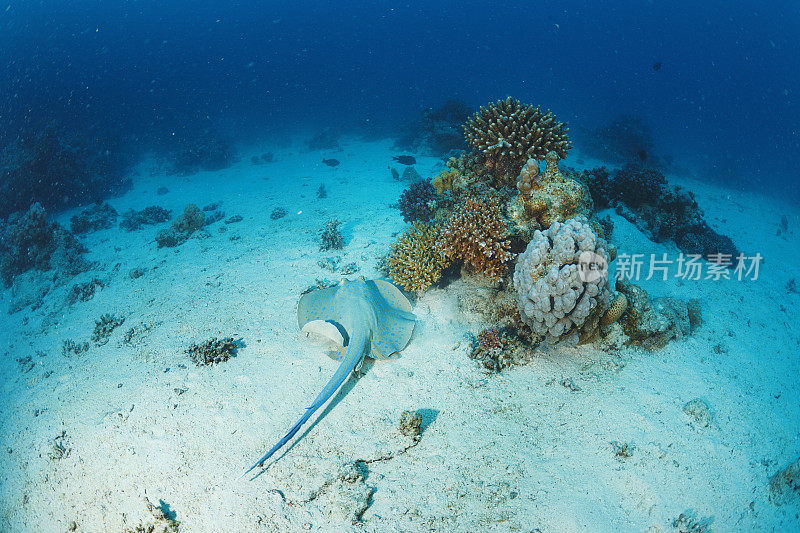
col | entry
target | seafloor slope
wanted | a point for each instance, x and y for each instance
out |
(86, 438)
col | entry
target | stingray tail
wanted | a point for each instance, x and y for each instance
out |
(356, 350)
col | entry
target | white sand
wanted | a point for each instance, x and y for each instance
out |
(513, 451)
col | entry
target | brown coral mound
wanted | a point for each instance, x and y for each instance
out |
(509, 133)
(477, 234)
(545, 198)
(415, 262)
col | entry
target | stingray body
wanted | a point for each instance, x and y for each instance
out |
(365, 317)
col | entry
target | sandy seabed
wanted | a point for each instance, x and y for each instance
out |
(514, 451)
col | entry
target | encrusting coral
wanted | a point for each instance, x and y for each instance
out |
(618, 306)
(545, 198)
(416, 262)
(508, 133)
(477, 235)
(562, 282)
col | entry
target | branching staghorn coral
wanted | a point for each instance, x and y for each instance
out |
(416, 262)
(509, 133)
(477, 234)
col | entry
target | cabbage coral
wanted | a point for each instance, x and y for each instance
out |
(509, 133)
(415, 262)
(477, 234)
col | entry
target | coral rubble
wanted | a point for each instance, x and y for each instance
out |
(182, 227)
(212, 351)
(653, 323)
(330, 237)
(416, 262)
(562, 282)
(96, 217)
(133, 220)
(105, 326)
(508, 133)
(477, 234)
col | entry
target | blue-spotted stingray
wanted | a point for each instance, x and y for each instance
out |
(365, 317)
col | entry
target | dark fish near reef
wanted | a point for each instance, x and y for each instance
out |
(405, 159)
(331, 162)
(657, 65)
(642, 155)
(364, 318)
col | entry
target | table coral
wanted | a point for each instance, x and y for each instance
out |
(416, 262)
(477, 235)
(562, 282)
(508, 133)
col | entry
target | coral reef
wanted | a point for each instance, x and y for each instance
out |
(277, 213)
(330, 237)
(477, 235)
(652, 324)
(58, 170)
(509, 133)
(562, 282)
(29, 241)
(212, 351)
(447, 180)
(105, 326)
(665, 213)
(546, 198)
(182, 227)
(416, 262)
(96, 217)
(417, 202)
(133, 220)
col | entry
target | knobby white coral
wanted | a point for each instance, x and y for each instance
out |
(562, 282)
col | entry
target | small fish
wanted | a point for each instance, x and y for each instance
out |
(657, 65)
(642, 153)
(405, 159)
(331, 162)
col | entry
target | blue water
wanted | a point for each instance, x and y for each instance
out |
(724, 102)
